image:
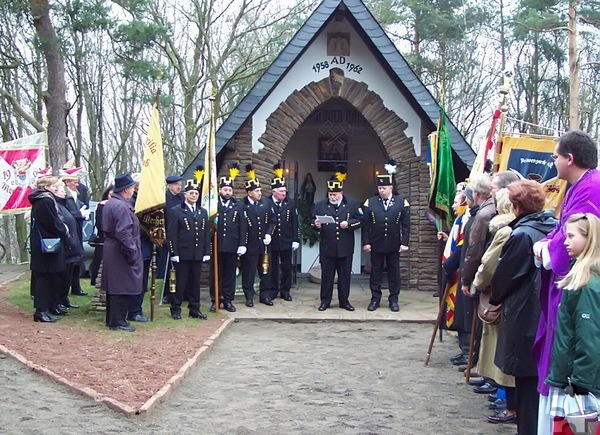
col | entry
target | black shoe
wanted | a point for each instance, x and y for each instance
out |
(198, 315)
(460, 361)
(323, 306)
(212, 308)
(287, 297)
(139, 318)
(498, 404)
(267, 301)
(78, 292)
(249, 303)
(229, 307)
(176, 315)
(457, 357)
(502, 417)
(71, 305)
(485, 389)
(476, 382)
(436, 295)
(122, 328)
(492, 397)
(57, 311)
(394, 307)
(373, 306)
(347, 307)
(42, 316)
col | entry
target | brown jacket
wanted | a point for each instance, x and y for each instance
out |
(477, 241)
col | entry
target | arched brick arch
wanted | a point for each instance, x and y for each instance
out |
(412, 179)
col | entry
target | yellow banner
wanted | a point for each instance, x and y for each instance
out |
(150, 202)
(532, 158)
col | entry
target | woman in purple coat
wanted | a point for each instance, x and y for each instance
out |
(122, 256)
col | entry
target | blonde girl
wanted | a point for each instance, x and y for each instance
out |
(576, 352)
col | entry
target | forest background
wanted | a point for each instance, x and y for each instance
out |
(89, 70)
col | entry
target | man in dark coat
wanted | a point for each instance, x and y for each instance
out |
(81, 212)
(336, 247)
(188, 235)
(173, 196)
(259, 227)
(385, 234)
(122, 256)
(230, 227)
(286, 236)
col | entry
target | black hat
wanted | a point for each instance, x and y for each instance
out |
(196, 182)
(336, 183)
(388, 179)
(278, 180)
(252, 182)
(122, 182)
(173, 179)
(234, 170)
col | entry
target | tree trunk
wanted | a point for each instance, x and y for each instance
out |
(22, 230)
(54, 96)
(573, 68)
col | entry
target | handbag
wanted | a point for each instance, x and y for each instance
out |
(487, 312)
(49, 245)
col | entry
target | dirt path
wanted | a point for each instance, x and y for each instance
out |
(279, 378)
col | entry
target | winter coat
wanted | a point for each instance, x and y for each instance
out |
(476, 241)
(46, 222)
(575, 353)
(515, 284)
(122, 254)
(73, 250)
(500, 230)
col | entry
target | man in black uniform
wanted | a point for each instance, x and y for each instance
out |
(286, 236)
(257, 236)
(336, 248)
(173, 197)
(188, 235)
(230, 227)
(385, 234)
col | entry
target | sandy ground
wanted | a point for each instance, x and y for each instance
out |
(278, 378)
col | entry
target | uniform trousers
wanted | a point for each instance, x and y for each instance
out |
(281, 260)
(343, 267)
(227, 266)
(392, 261)
(187, 285)
(527, 398)
(250, 264)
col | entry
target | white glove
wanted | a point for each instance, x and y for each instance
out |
(241, 250)
(267, 239)
(295, 245)
(175, 259)
(206, 258)
(85, 212)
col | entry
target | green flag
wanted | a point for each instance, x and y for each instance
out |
(443, 187)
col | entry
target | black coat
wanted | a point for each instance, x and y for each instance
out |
(260, 221)
(385, 230)
(74, 249)
(286, 225)
(46, 222)
(515, 284)
(337, 242)
(230, 226)
(170, 202)
(188, 236)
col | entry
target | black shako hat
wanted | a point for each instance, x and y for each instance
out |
(387, 179)
(336, 183)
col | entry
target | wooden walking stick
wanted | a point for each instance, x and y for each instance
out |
(471, 343)
(437, 323)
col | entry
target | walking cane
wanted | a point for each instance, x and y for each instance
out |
(437, 323)
(471, 345)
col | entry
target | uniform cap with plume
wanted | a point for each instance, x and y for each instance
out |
(234, 171)
(252, 182)
(196, 182)
(391, 168)
(278, 180)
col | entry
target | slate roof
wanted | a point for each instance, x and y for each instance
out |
(382, 46)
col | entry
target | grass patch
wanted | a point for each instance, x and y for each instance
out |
(19, 296)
